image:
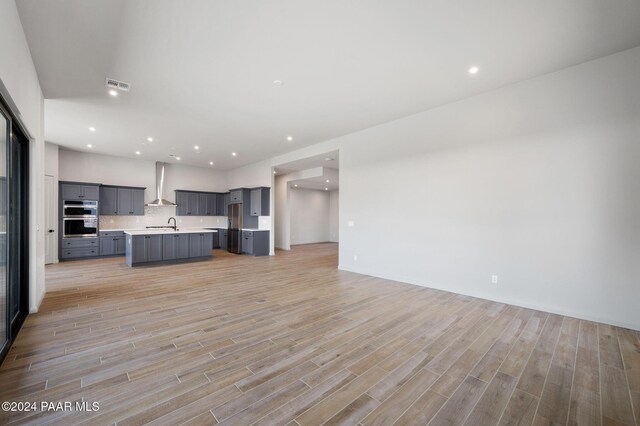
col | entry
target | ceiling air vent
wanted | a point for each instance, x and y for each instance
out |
(119, 85)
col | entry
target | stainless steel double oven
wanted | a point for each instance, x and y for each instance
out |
(80, 218)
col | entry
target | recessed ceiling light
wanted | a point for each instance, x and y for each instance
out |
(92, 129)
(327, 181)
(234, 154)
(137, 152)
(178, 158)
(196, 147)
(326, 189)
(113, 93)
(278, 82)
(274, 172)
(150, 139)
(89, 145)
(289, 138)
(296, 185)
(328, 159)
(474, 70)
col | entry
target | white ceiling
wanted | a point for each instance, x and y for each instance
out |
(202, 71)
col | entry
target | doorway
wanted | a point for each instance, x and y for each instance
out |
(50, 220)
(306, 197)
(14, 229)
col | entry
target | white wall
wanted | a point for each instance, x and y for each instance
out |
(111, 170)
(309, 216)
(536, 182)
(334, 210)
(22, 90)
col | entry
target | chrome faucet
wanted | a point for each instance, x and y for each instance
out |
(175, 226)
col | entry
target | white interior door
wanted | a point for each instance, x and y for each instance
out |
(50, 235)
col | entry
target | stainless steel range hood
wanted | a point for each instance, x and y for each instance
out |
(159, 201)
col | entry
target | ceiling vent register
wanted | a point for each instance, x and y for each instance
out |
(119, 85)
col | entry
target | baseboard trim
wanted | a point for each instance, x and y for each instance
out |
(519, 303)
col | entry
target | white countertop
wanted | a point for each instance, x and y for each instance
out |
(168, 231)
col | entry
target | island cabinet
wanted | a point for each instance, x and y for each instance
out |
(121, 201)
(148, 247)
(79, 191)
(145, 248)
(200, 244)
(175, 246)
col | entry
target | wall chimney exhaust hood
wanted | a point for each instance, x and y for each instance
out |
(159, 201)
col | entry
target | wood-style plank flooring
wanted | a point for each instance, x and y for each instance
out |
(290, 340)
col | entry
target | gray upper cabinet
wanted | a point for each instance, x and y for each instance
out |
(188, 203)
(192, 203)
(108, 200)
(207, 204)
(226, 199)
(235, 196)
(220, 207)
(137, 196)
(79, 191)
(182, 200)
(125, 202)
(121, 201)
(259, 202)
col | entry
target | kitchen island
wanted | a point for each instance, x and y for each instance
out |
(157, 246)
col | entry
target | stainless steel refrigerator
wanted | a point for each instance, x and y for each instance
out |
(234, 232)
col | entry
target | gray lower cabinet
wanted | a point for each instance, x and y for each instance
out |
(75, 248)
(112, 246)
(200, 245)
(255, 243)
(175, 246)
(145, 248)
(222, 238)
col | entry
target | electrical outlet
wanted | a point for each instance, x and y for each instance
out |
(355, 257)
(350, 224)
(494, 279)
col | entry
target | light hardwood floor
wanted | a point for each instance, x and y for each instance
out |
(291, 340)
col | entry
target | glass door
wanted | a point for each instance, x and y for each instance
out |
(4, 312)
(14, 230)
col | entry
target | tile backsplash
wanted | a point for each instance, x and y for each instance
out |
(158, 216)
